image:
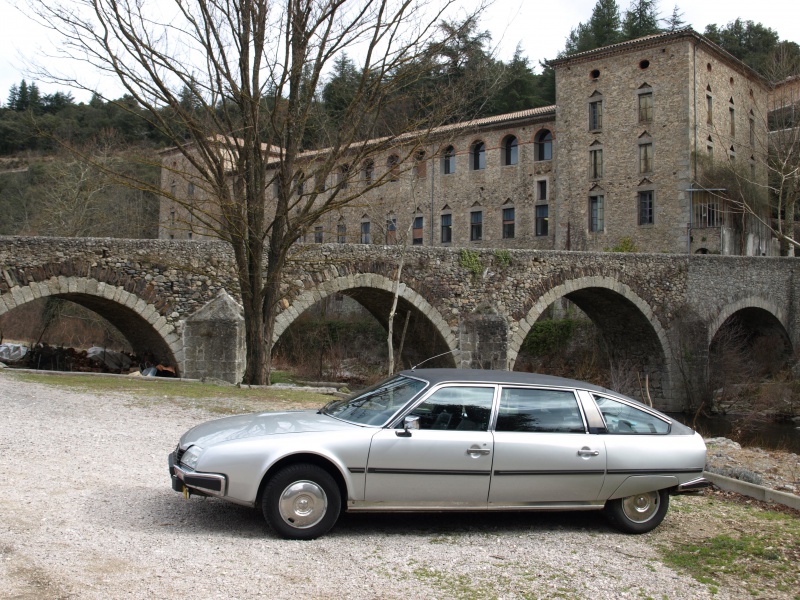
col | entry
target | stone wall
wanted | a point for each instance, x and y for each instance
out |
(640, 302)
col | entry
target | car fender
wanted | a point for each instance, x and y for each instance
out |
(638, 484)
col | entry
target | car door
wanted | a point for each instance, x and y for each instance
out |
(446, 462)
(542, 453)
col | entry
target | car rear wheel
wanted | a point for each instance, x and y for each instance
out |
(639, 513)
(301, 502)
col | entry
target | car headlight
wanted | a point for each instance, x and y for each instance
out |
(191, 456)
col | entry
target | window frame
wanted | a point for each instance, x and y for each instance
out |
(476, 226)
(417, 230)
(449, 161)
(366, 233)
(508, 223)
(646, 106)
(542, 221)
(595, 162)
(597, 213)
(544, 145)
(477, 156)
(646, 217)
(446, 227)
(596, 115)
(510, 153)
(646, 156)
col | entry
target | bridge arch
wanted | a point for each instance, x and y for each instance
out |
(140, 322)
(760, 311)
(429, 333)
(629, 325)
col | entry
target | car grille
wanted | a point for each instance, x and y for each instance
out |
(178, 454)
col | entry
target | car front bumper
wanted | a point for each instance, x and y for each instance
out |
(187, 481)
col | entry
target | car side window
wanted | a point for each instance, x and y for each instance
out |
(626, 419)
(463, 408)
(537, 410)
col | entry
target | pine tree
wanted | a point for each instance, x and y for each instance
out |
(13, 97)
(602, 29)
(675, 21)
(641, 19)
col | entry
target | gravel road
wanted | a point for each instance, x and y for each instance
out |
(86, 511)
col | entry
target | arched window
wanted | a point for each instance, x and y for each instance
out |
(368, 172)
(478, 156)
(449, 161)
(510, 153)
(544, 145)
(393, 167)
(420, 165)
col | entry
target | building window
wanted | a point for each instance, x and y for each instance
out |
(341, 232)
(706, 211)
(646, 208)
(544, 145)
(596, 167)
(420, 165)
(597, 213)
(391, 230)
(190, 190)
(476, 226)
(447, 228)
(709, 109)
(752, 130)
(343, 177)
(541, 220)
(449, 161)
(732, 154)
(365, 234)
(510, 151)
(508, 223)
(645, 158)
(732, 113)
(478, 156)
(300, 183)
(416, 232)
(393, 167)
(596, 115)
(541, 189)
(646, 107)
(368, 173)
(318, 234)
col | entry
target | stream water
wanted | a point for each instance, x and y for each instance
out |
(768, 435)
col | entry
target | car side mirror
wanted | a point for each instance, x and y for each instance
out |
(409, 423)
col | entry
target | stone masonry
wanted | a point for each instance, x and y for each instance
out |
(654, 310)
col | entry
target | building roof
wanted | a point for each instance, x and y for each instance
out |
(654, 40)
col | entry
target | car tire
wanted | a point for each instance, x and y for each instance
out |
(639, 513)
(301, 502)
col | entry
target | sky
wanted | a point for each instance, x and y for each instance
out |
(540, 27)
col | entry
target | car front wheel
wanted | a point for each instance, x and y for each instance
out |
(639, 513)
(301, 502)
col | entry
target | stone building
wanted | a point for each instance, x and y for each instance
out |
(617, 163)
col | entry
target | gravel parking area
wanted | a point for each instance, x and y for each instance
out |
(87, 512)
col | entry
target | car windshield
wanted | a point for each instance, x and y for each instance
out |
(377, 404)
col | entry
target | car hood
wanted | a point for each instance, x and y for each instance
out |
(260, 424)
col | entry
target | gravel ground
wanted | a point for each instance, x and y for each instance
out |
(86, 511)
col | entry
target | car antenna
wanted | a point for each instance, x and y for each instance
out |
(431, 358)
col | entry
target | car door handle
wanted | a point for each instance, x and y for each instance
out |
(586, 451)
(473, 451)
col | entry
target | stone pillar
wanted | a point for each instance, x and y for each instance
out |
(483, 341)
(214, 341)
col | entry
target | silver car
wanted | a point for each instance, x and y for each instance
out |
(447, 439)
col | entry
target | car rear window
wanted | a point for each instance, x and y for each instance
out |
(626, 419)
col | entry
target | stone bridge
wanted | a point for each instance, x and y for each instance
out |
(658, 313)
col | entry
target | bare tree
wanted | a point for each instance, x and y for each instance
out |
(233, 84)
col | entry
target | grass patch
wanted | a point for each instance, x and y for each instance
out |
(215, 398)
(745, 547)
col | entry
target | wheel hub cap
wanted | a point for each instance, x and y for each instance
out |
(303, 504)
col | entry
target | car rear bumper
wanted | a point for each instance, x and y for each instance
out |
(206, 484)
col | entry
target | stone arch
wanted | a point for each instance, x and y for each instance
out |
(751, 302)
(140, 322)
(373, 291)
(605, 300)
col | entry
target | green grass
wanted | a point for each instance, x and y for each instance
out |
(759, 551)
(215, 398)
